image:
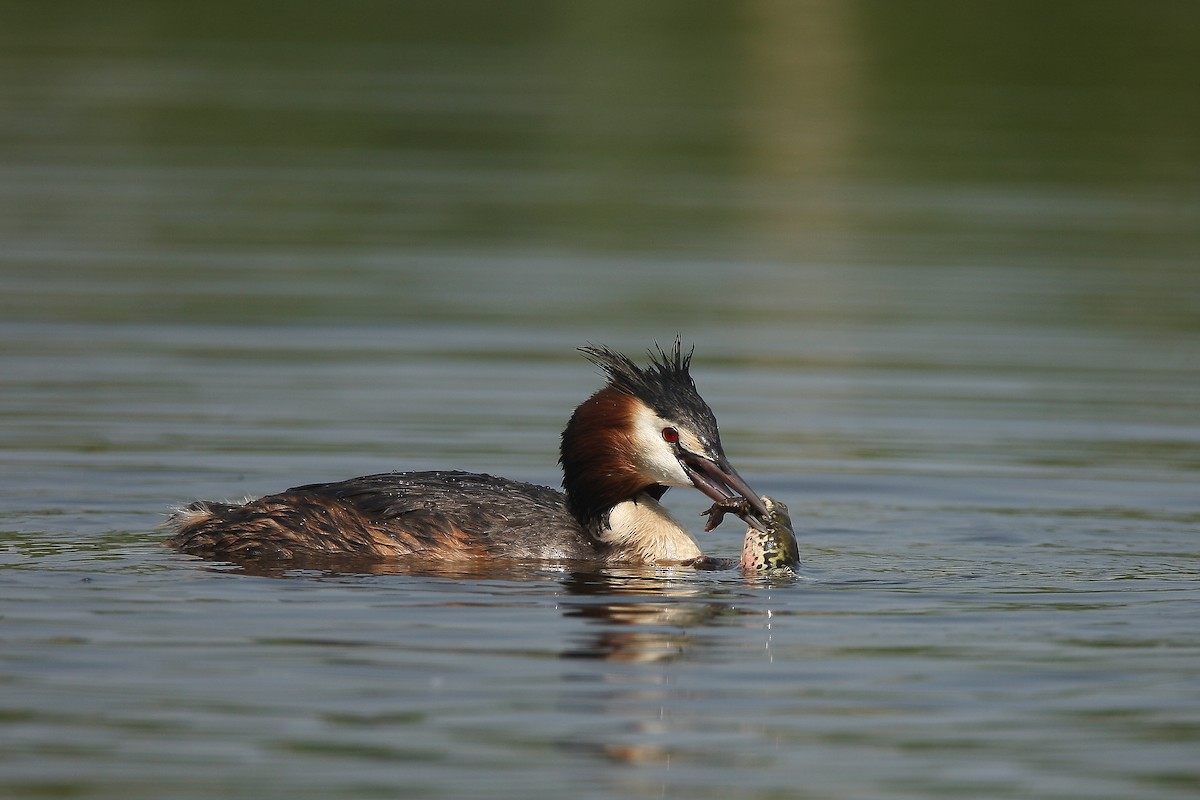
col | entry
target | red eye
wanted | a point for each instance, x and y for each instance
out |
(670, 435)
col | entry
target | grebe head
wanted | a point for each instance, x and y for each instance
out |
(648, 429)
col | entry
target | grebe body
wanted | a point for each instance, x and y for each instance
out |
(646, 430)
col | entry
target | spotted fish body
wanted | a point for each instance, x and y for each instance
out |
(775, 548)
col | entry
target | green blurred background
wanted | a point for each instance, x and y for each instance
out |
(322, 163)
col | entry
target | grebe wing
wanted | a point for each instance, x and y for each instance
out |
(502, 516)
(449, 493)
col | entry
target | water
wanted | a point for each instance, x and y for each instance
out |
(941, 272)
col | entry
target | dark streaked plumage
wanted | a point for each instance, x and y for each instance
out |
(439, 514)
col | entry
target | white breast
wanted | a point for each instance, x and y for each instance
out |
(644, 528)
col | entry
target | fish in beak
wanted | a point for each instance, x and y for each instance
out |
(721, 482)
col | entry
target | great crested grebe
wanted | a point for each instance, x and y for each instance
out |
(646, 430)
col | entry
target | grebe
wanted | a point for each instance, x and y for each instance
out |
(646, 430)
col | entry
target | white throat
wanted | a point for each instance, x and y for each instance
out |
(643, 530)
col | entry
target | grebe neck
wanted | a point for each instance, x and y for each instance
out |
(598, 466)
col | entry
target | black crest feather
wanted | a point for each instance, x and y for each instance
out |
(665, 384)
(665, 370)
